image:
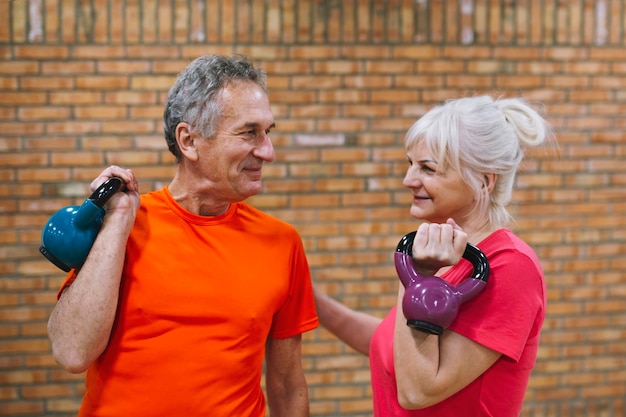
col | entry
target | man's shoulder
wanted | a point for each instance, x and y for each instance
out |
(252, 213)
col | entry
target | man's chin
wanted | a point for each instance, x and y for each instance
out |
(252, 188)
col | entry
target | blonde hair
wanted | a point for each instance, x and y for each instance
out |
(478, 135)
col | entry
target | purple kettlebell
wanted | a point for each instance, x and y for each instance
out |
(430, 304)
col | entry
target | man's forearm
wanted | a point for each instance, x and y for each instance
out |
(291, 403)
(80, 324)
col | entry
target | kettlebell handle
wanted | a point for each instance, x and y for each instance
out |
(105, 191)
(474, 255)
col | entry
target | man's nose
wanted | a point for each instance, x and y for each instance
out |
(265, 150)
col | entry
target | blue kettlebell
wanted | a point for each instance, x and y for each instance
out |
(68, 236)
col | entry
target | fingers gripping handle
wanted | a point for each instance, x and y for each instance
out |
(68, 235)
(105, 191)
(430, 304)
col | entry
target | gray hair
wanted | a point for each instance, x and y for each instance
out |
(194, 97)
(478, 135)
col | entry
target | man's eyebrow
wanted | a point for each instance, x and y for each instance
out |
(256, 125)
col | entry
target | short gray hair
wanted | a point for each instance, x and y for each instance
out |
(194, 96)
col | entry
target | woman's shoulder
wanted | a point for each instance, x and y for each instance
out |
(506, 241)
(504, 238)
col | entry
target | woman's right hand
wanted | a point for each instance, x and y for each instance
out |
(438, 245)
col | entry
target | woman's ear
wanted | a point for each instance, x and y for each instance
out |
(489, 181)
(186, 141)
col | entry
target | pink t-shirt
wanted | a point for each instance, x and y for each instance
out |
(506, 317)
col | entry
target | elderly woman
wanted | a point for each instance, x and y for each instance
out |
(463, 156)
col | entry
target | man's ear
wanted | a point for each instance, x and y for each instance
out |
(186, 141)
(490, 181)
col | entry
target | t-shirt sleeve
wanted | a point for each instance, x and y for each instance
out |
(69, 279)
(297, 314)
(504, 314)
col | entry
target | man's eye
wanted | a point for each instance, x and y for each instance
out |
(249, 134)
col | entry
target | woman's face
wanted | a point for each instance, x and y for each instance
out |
(437, 195)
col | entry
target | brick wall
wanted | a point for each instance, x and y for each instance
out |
(82, 85)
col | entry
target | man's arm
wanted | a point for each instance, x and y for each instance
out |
(287, 391)
(81, 322)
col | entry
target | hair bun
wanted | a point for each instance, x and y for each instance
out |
(530, 127)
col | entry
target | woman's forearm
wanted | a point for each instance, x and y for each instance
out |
(354, 328)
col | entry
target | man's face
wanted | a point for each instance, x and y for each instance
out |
(232, 161)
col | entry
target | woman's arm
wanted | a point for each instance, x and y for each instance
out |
(353, 327)
(431, 368)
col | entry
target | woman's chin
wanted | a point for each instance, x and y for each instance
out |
(417, 212)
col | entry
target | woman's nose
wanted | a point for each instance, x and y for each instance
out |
(412, 178)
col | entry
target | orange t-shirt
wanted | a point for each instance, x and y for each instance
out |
(198, 299)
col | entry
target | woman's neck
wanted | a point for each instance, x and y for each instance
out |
(477, 234)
